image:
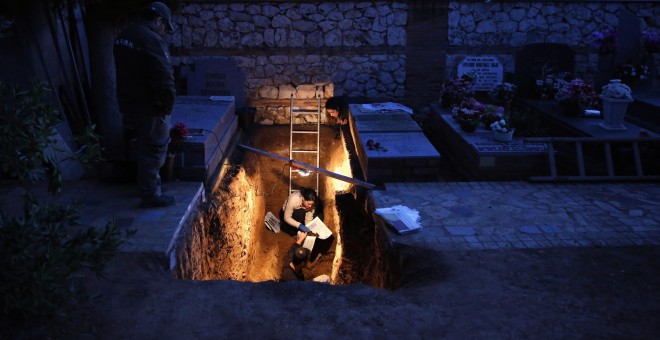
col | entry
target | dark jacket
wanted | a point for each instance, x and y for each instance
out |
(145, 81)
(288, 274)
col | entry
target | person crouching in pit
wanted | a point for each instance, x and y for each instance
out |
(296, 259)
(299, 209)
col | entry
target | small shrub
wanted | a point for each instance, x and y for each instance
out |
(45, 253)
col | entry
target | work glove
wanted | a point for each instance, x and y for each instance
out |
(304, 228)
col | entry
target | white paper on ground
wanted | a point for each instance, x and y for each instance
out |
(272, 222)
(401, 218)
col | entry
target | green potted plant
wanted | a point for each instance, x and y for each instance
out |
(616, 96)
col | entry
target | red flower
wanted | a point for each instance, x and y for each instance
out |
(178, 132)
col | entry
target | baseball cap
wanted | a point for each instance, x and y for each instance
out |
(164, 11)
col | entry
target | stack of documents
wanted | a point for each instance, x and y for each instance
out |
(400, 218)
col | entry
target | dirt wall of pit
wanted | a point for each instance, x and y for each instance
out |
(229, 240)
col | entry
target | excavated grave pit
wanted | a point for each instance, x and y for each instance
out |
(229, 240)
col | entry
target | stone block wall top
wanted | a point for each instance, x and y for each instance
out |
(290, 24)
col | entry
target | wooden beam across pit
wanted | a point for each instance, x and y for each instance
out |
(309, 167)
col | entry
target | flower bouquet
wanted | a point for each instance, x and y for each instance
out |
(457, 89)
(179, 132)
(548, 87)
(575, 96)
(605, 40)
(631, 73)
(468, 114)
(490, 114)
(502, 131)
(503, 92)
(616, 96)
(616, 90)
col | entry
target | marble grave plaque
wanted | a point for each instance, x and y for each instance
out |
(488, 68)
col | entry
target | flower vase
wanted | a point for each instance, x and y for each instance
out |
(503, 136)
(167, 170)
(614, 112)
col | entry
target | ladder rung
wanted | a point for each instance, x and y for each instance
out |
(303, 131)
(305, 151)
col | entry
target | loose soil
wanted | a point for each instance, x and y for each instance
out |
(562, 293)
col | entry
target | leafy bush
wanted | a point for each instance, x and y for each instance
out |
(28, 148)
(43, 263)
(45, 252)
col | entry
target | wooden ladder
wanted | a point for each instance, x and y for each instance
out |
(609, 163)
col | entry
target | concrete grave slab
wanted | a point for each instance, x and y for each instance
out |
(401, 156)
(212, 125)
(482, 141)
(404, 152)
(398, 145)
(386, 122)
(479, 155)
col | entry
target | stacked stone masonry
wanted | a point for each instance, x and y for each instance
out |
(515, 24)
(360, 48)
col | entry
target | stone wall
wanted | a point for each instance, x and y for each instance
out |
(352, 48)
(381, 50)
(504, 27)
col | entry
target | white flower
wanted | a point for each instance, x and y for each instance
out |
(500, 126)
(617, 90)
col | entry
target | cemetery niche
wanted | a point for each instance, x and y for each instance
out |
(217, 77)
(538, 61)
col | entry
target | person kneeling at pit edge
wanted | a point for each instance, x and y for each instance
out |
(296, 259)
(300, 209)
(337, 107)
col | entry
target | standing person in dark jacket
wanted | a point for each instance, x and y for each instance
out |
(146, 92)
